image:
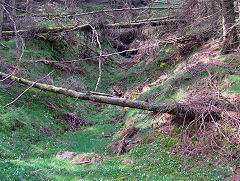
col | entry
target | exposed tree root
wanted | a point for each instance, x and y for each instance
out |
(125, 145)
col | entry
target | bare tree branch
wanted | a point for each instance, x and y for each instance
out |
(27, 89)
(99, 58)
(19, 57)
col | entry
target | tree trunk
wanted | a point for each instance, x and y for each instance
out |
(14, 8)
(212, 7)
(28, 10)
(230, 39)
(1, 18)
(238, 3)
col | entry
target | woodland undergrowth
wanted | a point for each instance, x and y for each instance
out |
(120, 143)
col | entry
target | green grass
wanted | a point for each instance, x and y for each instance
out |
(24, 123)
(234, 87)
(150, 161)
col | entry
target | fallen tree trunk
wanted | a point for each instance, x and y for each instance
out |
(88, 27)
(50, 29)
(176, 108)
(168, 3)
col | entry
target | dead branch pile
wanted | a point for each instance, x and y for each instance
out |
(214, 135)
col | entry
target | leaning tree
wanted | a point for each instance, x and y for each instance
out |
(230, 39)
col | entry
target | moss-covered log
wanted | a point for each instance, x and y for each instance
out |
(50, 30)
(176, 108)
(87, 27)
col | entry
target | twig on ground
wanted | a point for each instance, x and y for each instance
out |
(3, 45)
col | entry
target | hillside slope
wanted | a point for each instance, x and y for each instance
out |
(46, 136)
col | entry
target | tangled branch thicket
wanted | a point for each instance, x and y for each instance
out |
(206, 133)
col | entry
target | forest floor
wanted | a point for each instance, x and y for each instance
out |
(45, 136)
